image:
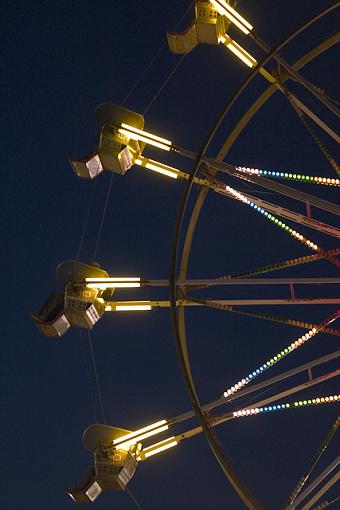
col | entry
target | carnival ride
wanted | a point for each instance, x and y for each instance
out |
(87, 290)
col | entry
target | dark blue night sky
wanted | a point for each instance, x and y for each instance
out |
(61, 60)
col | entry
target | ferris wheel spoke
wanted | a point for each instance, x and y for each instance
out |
(293, 176)
(281, 355)
(316, 457)
(280, 211)
(128, 306)
(255, 175)
(286, 263)
(228, 191)
(282, 320)
(252, 409)
(312, 486)
(268, 382)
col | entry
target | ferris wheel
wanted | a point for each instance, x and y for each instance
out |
(298, 213)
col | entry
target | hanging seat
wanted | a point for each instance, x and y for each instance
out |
(116, 152)
(78, 305)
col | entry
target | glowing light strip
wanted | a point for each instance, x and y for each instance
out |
(241, 53)
(291, 347)
(236, 14)
(225, 10)
(138, 432)
(326, 181)
(292, 405)
(149, 135)
(113, 285)
(132, 308)
(129, 306)
(126, 444)
(161, 169)
(138, 134)
(112, 279)
(142, 138)
(273, 218)
(278, 357)
(159, 447)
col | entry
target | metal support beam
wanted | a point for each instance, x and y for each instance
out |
(322, 491)
(111, 306)
(275, 186)
(286, 213)
(326, 472)
(250, 389)
(242, 281)
(221, 418)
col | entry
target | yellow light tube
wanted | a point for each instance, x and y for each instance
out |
(142, 138)
(126, 444)
(140, 431)
(159, 447)
(137, 134)
(235, 19)
(113, 285)
(169, 171)
(161, 170)
(236, 14)
(144, 133)
(241, 54)
(112, 279)
(131, 308)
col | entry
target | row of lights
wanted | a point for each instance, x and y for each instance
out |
(291, 405)
(272, 218)
(327, 181)
(294, 345)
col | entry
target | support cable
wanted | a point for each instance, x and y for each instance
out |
(146, 109)
(88, 375)
(137, 505)
(86, 219)
(166, 81)
(154, 58)
(103, 217)
(96, 376)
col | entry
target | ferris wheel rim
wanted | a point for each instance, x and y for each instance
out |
(178, 313)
